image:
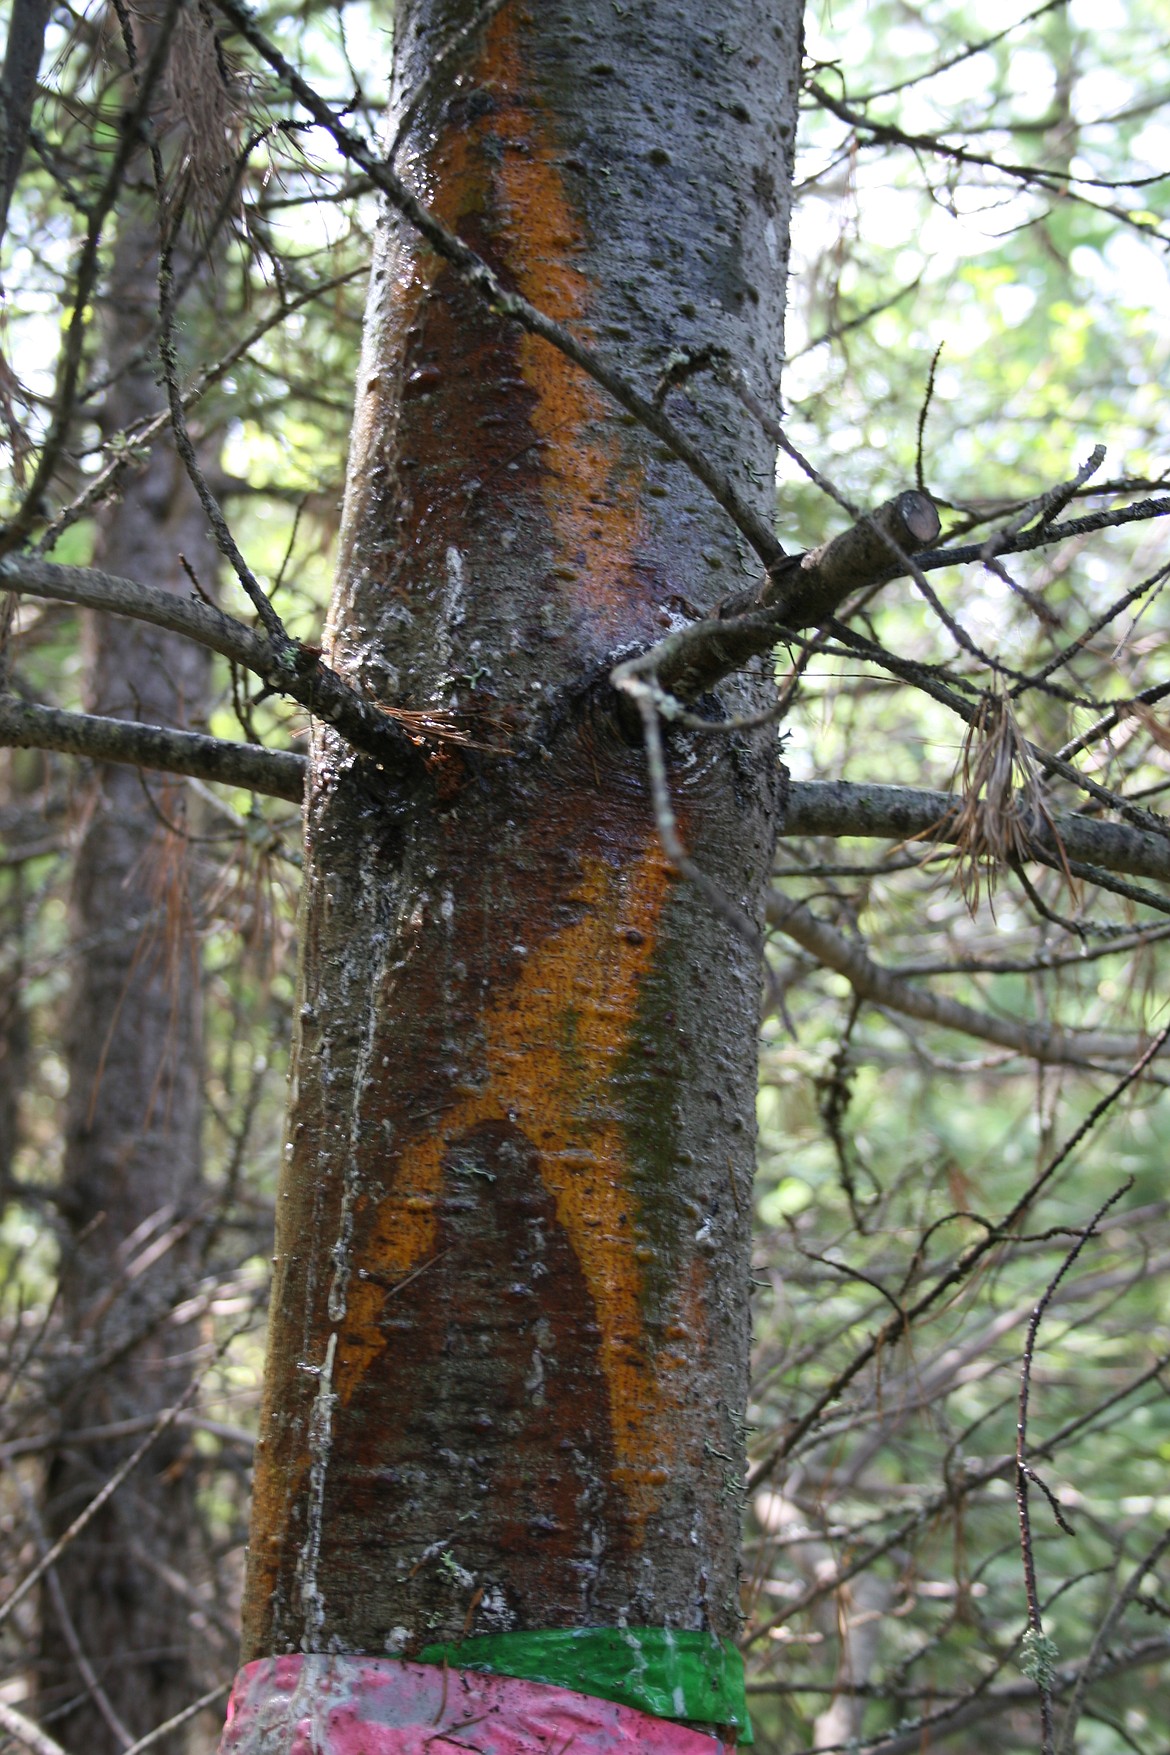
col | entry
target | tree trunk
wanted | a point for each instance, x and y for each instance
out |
(508, 1343)
(132, 1176)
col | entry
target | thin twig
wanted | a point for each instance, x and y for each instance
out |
(131, 440)
(649, 702)
(1053, 181)
(130, 132)
(1049, 1044)
(165, 1420)
(1043, 1663)
(1103, 1636)
(927, 398)
(170, 221)
(180, 1718)
(1044, 508)
(93, 1688)
(957, 1272)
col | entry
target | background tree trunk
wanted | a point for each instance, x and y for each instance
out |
(508, 1341)
(132, 1176)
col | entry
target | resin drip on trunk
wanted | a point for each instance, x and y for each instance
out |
(508, 1344)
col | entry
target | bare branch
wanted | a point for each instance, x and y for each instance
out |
(169, 358)
(991, 1703)
(801, 591)
(883, 987)
(1047, 507)
(1111, 518)
(27, 1734)
(966, 53)
(1039, 1659)
(902, 813)
(300, 674)
(93, 589)
(123, 448)
(806, 590)
(927, 679)
(1053, 180)
(278, 773)
(1093, 1666)
(954, 1274)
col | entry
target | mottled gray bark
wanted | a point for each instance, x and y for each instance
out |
(508, 1342)
(131, 1186)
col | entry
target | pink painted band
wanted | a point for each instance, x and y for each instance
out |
(317, 1705)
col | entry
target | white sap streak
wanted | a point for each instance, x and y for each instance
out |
(320, 1448)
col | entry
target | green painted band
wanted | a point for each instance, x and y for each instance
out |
(660, 1670)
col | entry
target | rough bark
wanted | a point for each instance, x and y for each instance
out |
(132, 1176)
(507, 1348)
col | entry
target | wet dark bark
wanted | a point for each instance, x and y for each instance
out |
(508, 1341)
(132, 1179)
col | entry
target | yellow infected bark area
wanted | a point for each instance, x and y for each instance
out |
(554, 1041)
(591, 489)
(576, 425)
(592, 504)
